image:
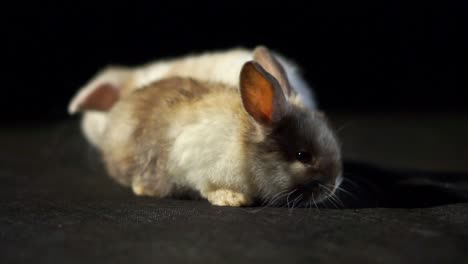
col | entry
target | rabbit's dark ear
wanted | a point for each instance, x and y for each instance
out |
(101, 93)
(267, 60)
(261, 94)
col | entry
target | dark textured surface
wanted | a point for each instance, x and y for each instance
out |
(57, 206)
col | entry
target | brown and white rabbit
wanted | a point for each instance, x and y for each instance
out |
(228, 143)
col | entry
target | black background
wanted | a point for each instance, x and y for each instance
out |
(380, 57)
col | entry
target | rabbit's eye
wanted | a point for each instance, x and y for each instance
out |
(303, 156)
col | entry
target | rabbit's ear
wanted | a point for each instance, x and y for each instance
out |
(102, 92)
(266, 59)
(261, 94)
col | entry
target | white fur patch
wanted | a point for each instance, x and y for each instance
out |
(93, 126)
(207, 152)
(223, 67)
(297, 168)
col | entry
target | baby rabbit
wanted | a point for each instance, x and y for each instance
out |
(227, 143)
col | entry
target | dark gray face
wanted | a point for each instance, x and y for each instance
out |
(306, 140)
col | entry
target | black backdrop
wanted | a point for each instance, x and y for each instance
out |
(385, 57)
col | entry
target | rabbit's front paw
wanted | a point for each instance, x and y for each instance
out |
(225, 197)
